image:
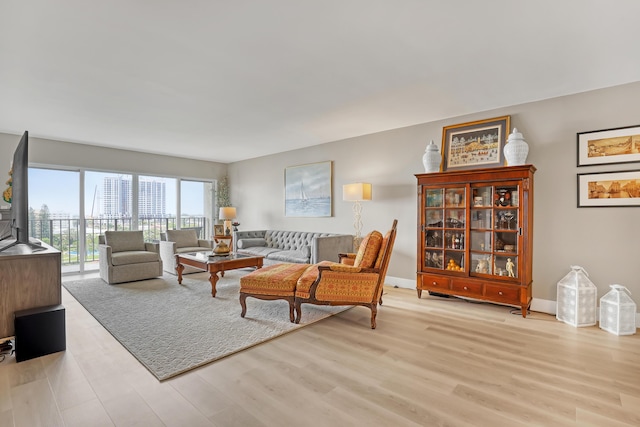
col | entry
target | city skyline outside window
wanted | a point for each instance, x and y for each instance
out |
(55, 214)
(43, 183)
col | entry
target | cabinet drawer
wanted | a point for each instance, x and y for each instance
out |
(467, 288)
(503, 293)
(435, 282)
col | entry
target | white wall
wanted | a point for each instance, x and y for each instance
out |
(602, 240)
(47, 152)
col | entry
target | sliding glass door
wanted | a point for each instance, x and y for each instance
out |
(197, 206)
(69, 210)
(54, 212)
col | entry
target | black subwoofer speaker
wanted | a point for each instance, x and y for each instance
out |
(39, 331)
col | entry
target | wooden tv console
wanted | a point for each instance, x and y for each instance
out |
(27, 280)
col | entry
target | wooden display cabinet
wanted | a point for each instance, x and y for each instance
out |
(475, 231)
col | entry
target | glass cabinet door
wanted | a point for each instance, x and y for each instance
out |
(434, 228)
(445, 214)
(495, 230)
(455, 224)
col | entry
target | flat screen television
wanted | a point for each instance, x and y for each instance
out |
(20, 198)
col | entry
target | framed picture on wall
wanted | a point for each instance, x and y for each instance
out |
(609, 146)
(475, 144)
(609, 189)
(307, 190)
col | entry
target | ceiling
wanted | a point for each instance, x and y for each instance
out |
(232, 80)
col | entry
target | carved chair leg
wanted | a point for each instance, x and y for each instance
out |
(291, 307)
(374, 311)
(298, 305)
(243, 304)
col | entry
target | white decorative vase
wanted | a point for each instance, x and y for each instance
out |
(431, 158)
(516, 149)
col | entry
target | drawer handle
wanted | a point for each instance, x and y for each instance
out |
(466, 289)
(499, 292)
(434, 283)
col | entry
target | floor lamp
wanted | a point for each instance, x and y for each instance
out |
(356, 193)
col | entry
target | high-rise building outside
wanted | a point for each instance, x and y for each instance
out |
(151, 198)
(116, 197)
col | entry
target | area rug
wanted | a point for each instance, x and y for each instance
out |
(172, 328)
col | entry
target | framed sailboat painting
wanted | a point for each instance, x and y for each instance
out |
(307, 190)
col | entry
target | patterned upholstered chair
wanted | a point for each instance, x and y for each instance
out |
(328, 283)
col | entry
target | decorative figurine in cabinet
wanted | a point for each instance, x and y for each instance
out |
(475, 230)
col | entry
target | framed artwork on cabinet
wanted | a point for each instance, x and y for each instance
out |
(307, 190)
(475, 144)
(609, 146)
(609, 189)
(218, 229)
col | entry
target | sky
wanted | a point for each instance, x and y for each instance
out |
(59, 190)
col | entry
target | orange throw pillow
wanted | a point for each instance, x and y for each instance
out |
(369, 249)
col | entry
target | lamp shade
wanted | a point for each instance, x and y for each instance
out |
(227, 213)
(356, 192)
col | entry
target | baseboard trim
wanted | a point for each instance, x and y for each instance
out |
(537, 304)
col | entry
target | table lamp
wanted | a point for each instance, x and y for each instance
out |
(227, 214)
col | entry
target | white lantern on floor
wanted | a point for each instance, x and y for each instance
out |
(577, 299)
(618, 311)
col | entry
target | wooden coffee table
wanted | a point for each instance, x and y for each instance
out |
(215, 264)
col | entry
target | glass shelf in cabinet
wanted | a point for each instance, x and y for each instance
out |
(455, 197)
(506, 219)
(433, 259)
(481, 263)
(434, 218)
(454, 261)
(481, 218)
(506, 266)
(434, 198)
(433, 239)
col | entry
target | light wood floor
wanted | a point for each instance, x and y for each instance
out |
(430, 362)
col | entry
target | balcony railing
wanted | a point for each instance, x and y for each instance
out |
(64, 234)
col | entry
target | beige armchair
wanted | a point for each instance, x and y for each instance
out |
(178, 242)
(125, 257)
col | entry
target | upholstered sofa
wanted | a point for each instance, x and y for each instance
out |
(302, 247)
(125, 257)
(179, 242)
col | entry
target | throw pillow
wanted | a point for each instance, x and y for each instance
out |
(251, 242)
(385, 242)
(368, 251)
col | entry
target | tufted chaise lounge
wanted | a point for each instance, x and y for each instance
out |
(300, 247)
